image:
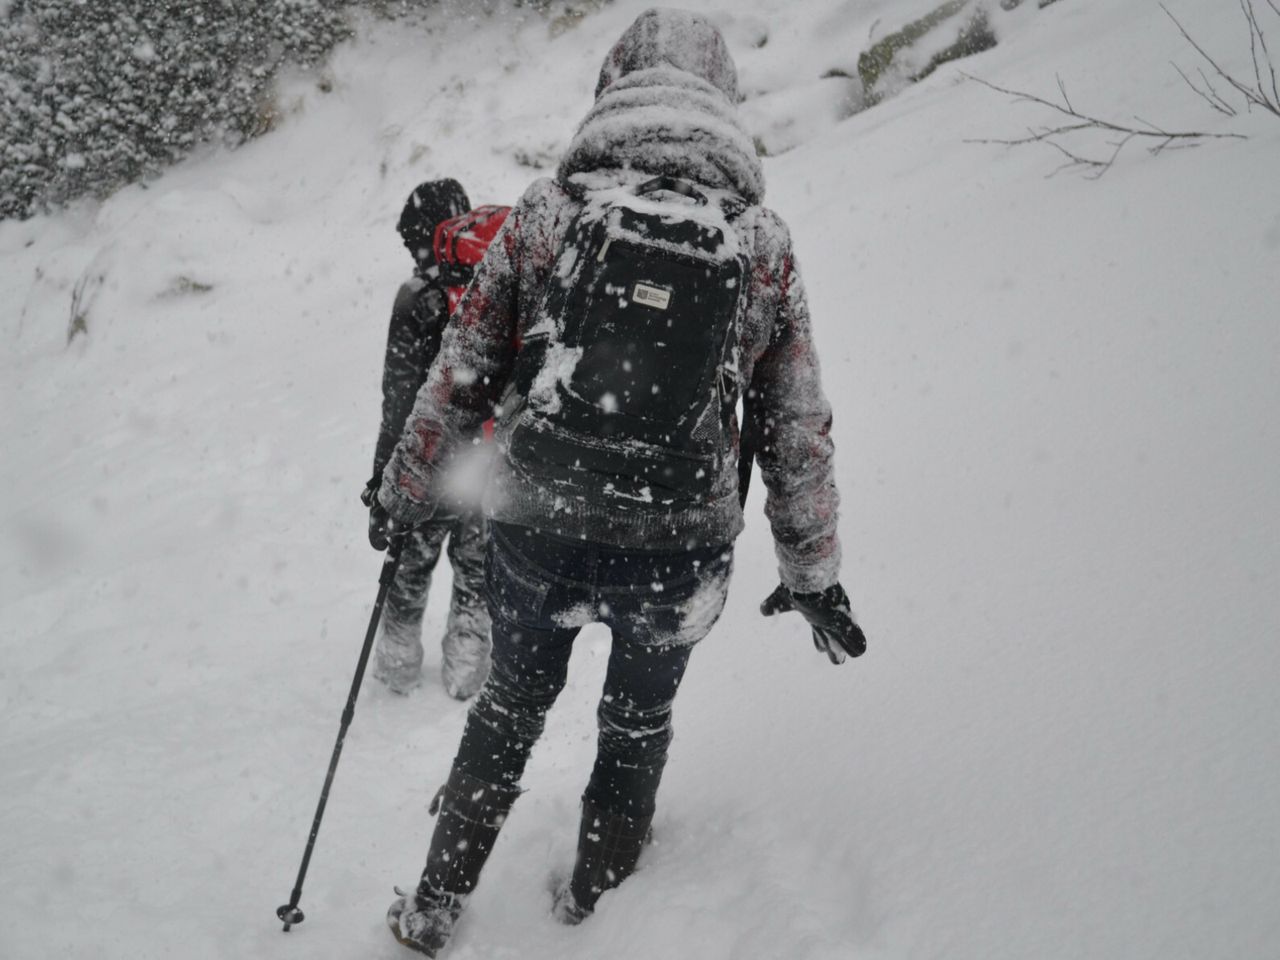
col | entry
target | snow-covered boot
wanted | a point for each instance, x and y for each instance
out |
(609, 846)
(424, 920)
(470, 814)
(398, 655)
(467, 643)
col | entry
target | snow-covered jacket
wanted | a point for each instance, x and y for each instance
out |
(665, 106)
(418, 318)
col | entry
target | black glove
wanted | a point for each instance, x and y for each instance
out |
(828, 613)
(383, 528)
(369, 495)
(378, 517)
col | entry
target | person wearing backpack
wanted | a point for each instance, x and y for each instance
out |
(624, 310)
(437, 209)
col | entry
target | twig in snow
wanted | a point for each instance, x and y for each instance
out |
(1209, 93)
(82, 298)
(1052, 134)
(1264, 71)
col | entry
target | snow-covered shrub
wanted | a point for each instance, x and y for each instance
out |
(918, 48)
(96, 95)
(952, 30)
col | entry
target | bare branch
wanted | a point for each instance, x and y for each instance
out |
(1154, 129)
(1163, 139)
(1253, 96)
(79, 320)
(1075, 160)
(1265, 93)
(1164, 145)
(1210, 95)
(1266, 56)
(83, 294)
(1120, 145)
(1035, 135)
(1063, 88)
(1248, 94)
(1255, 32)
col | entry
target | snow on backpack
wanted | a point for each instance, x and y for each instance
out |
(629, 373)
(459, 245)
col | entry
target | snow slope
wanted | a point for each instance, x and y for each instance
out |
(1056, 427)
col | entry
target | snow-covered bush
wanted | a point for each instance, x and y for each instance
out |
(96, 95)
(950, 31)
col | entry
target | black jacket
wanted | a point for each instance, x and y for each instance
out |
(418, 319)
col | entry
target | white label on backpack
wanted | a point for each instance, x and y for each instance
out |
(656, 297)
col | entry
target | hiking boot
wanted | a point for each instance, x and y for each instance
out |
(609, 847)
(565, 908)
(465, 661)
(424, 920)
(470, 814)
(397, 659)
(465, 665)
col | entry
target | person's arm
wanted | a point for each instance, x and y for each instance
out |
(477, 352)
(413, 340)
(787, 424)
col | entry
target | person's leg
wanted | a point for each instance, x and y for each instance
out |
(635, 725)
(659, 607)
(618, 805)
(530, 663)
(465, 661)
(469, 816)
(398, 655)
(507, 718)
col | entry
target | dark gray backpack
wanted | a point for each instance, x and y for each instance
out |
(629, 375)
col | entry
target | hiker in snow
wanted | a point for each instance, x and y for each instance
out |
(418, 320)
(612, 327)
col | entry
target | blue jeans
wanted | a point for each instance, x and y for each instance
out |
(542, 590)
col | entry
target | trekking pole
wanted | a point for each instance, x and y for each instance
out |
(290, 913)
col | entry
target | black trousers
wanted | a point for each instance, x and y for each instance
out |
(542, 590)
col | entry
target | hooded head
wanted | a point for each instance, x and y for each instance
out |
(428, 206)
(676, 38)
(667, 105)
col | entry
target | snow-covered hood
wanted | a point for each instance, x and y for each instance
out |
(666, 104)
(674, 38)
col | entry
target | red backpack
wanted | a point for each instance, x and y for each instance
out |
(460, 244)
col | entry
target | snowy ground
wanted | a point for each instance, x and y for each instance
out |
(1056, 424)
